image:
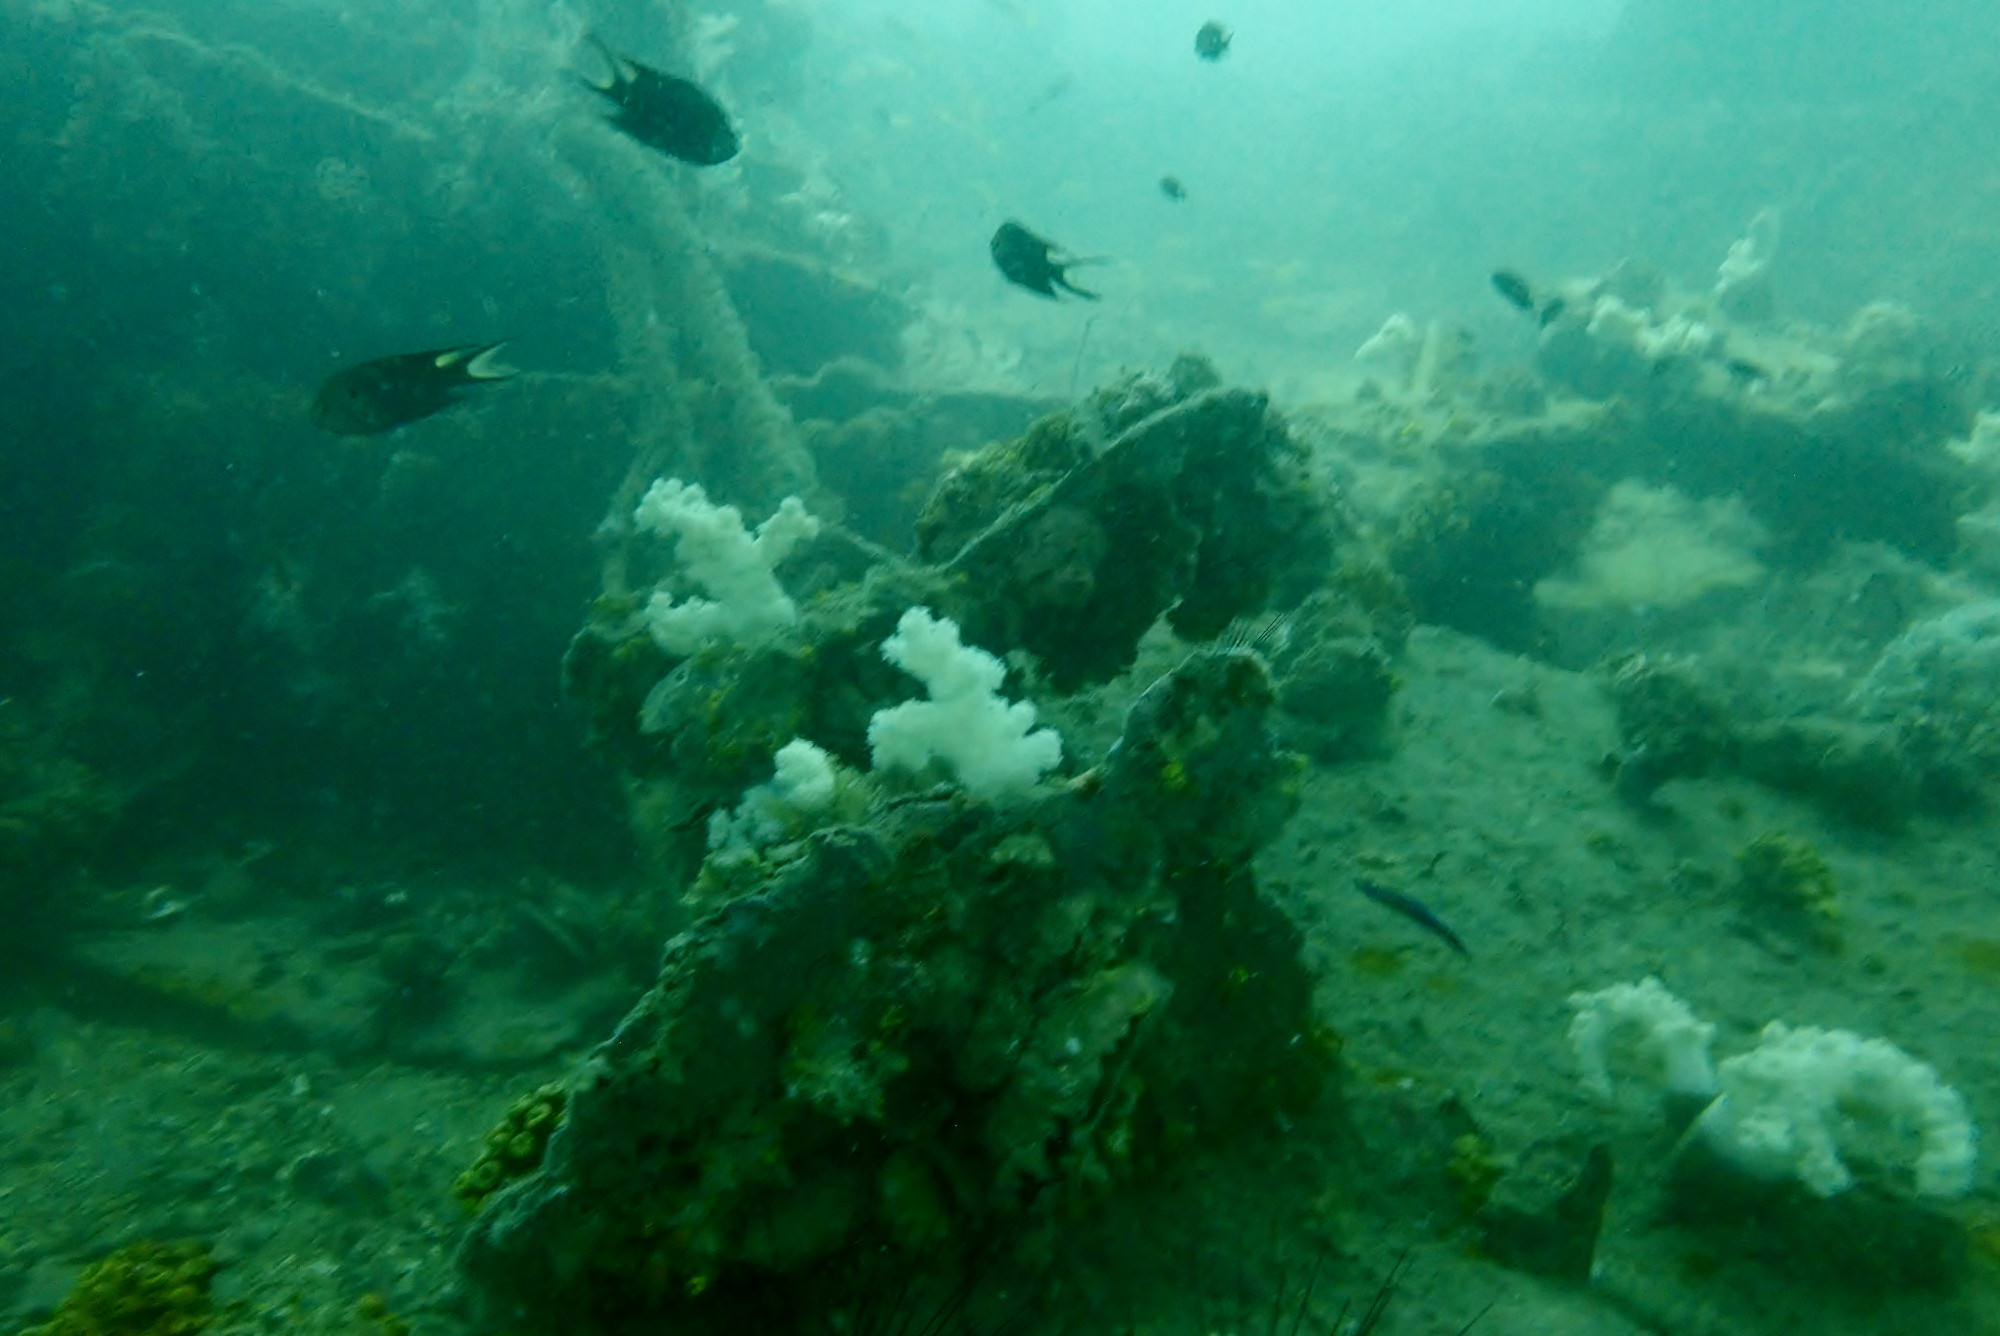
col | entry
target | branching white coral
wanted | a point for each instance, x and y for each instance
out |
(1393, 349)
(1633, 327)
(1643, 1024)
(803, 788)
(746, 602)
(1682, 336)
(1981, 446)
(989, 743)
(1750, 255)
(1806, 1102)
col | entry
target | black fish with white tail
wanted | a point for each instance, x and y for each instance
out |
(1033, 262)
(1746, 374)
(1520, 294)
(664, 112)
(1212, 42)
(382, 395)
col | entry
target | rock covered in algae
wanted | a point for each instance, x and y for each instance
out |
(882, 448)
(1545, 1216)
(933, 1034)
(1334, 664)
(1164, 495)
(1511, 509)
(1823, 438)
(1861, 772)
(1934, 683)
(1670, 725)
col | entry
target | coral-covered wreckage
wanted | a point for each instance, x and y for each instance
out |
(934, 1033)
(916, 1026)
(1827, 438)
(919, 1037)
(1159, 497)
(1669, 461)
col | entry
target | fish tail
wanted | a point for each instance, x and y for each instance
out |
(610, 58)
(484, 364)
(1068, 286)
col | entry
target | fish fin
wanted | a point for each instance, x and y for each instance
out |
(611, 58)
(1070, 262)
(485, 364)
(474, 361)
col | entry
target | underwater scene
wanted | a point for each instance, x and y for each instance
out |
(1000, 668)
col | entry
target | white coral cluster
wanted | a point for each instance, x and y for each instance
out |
(1392, 351)
(1805, 1104)
(1981, 446)
(787, 805)
(746, 603)
(1634, 327)
(1644, 1026)
(989, 743)
(1743, 279)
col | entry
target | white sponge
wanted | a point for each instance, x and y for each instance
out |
(747, 603)
(990, 744)
(1643, 1024)
(1799, 1101)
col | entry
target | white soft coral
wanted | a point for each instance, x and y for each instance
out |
(746, 602)
(802, 789)
(989, 743)
(1802, 1099)
(1643, 1025)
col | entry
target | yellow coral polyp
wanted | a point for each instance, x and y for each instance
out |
(1783, 875)
(514, 1148)
(146, 1289)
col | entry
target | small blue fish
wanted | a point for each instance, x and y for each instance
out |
(1411, 909)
